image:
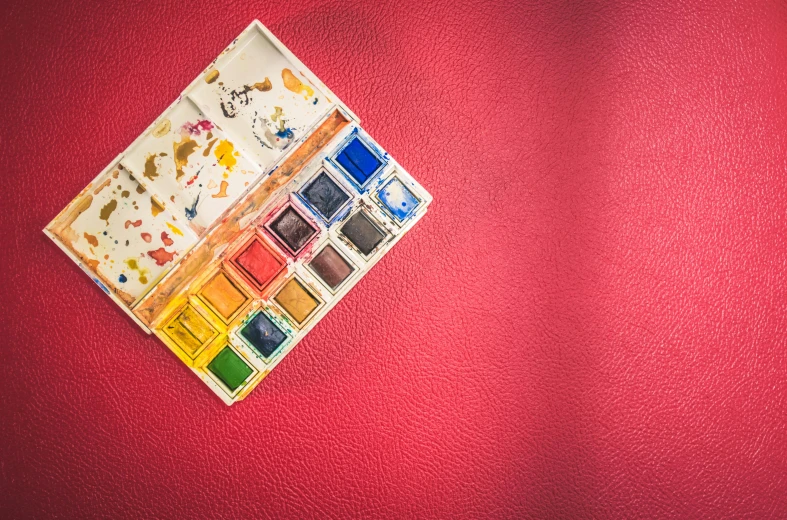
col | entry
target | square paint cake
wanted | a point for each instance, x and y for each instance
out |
(240, 217)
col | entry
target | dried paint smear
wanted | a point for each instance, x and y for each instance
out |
(182, 150)
(293, 84)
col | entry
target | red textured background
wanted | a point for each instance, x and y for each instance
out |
(590, 321)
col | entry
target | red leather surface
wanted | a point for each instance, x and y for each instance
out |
(590, 322)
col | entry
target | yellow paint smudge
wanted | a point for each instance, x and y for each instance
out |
(174, 229)
(278, 117)
(91, 239)
(155, 207)
(182, 151)
(295, 85)
(134, 266)
(107, 210)
(223, 153)
(211, 76)
(162, 129)
(222, 191)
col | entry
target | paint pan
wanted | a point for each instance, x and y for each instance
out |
(263, 335)
(224, 296)
(230, 369)
(397, 200)
(297, 300)
(358, 161)
(331, 267)
(325, 195)
(258, 262)
(190, 331)
(292, 229)
(362, 232)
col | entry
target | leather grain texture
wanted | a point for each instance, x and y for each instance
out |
(589, 323)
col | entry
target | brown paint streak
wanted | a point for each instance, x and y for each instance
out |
(91, 239)
(107, 210)
(102, 186)
(62, 224)
(182, 151)
(152, 305)
(210, 145)
(263, 86)
(151, 171)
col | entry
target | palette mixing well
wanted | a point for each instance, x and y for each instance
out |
(242, 215)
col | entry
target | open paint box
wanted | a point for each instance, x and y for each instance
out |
(239, 218)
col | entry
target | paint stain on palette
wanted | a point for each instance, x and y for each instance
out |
(123, 235)
(242, 215)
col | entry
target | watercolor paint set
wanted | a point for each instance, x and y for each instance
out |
(242, 215)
